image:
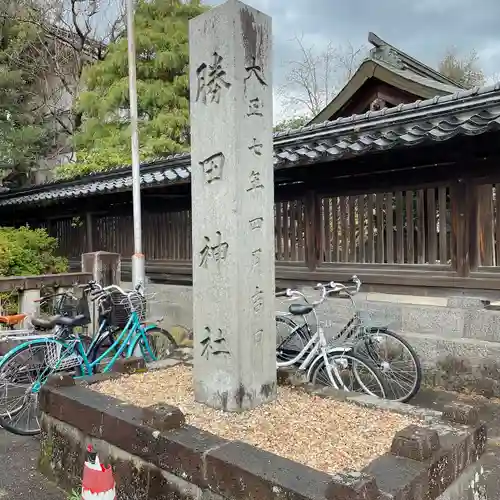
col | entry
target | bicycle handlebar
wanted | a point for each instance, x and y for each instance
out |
(340, 287)
(329, 288)
(96, 294)
(45, 298)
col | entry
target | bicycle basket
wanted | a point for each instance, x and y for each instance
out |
(72, 307)
(120, 307)
(63, 305)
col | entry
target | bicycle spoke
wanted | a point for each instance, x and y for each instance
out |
(395, 361)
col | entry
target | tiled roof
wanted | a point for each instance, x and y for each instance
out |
(467, 112)
(96, 185)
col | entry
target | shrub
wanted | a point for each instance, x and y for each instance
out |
(26, 252)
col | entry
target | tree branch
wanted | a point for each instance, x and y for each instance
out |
(315, 76)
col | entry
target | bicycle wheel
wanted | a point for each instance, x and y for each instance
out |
(350, 372)
(160, 344)
(291, 338)
(23, 371)
(396, 360)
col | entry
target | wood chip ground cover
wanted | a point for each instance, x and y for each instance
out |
(322, 433)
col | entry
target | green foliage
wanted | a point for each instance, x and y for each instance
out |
(162, 51)
(292, 123)
(26, 251)
(75, 495)
(23, 136)
(463, 70)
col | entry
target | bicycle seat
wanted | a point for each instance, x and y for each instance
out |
(12, 320)
(49, 323)
(300, 309)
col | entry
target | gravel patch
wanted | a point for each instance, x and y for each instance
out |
(325, 434)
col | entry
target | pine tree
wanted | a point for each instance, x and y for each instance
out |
(23, 137)
(162, 51)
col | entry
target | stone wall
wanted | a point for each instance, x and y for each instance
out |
(155, 455)
(457, 339)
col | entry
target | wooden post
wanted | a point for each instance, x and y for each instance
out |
(313, 238)
(473, 197)
(464, 211)
(88, 229)
(486, 237)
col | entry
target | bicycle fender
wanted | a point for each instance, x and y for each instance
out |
(146, 328)
(313, 365)
(320, 358)
(339, 349)
(375, 329)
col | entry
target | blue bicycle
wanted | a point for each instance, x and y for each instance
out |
(122, 332)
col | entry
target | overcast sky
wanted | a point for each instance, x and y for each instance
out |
(421, 28)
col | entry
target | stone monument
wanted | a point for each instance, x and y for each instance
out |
(232, 207)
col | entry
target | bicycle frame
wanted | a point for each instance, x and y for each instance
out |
(354, 323)
(126, 342)
(70, 352)
(73, 347)
(318, 353)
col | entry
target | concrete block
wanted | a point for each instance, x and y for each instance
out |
(482, 325)
(416, 443)
(407, 299)
(466, 302)
(459, 364)
(382, 314)
(433, 320)
(461, 413)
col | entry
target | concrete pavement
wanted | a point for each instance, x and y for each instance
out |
(19, 479)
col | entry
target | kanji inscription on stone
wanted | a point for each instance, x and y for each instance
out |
(258, 299)
(255, 107)
(214, 344)
(216, 251)
(232, 207)
(254, 70)
(212, 80)
(256, 257)
(255, 182)
(256, 223)
(213, 167)
(256, 147)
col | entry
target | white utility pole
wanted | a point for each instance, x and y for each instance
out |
(138, 263)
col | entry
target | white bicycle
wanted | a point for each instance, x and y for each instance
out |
(339, 367)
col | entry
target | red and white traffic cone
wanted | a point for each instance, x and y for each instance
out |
(97, 482)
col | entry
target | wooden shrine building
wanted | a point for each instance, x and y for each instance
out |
(395, 180)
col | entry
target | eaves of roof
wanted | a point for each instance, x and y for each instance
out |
(403, 79)
(429, 83)
(467, 112)
(410, 63)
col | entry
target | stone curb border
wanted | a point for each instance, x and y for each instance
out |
(423, 461)
(459, 413)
